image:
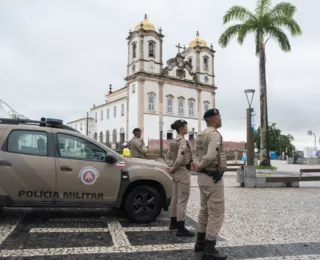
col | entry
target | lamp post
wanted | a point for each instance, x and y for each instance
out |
(250, 137)
(315, 138)
(161, 140)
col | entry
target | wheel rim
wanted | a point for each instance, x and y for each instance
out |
(144, 204)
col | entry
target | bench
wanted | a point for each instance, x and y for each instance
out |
(233, 169)
(290, 179)
(302, 171)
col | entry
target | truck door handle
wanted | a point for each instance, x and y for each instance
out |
(5, 163)
(65, 168)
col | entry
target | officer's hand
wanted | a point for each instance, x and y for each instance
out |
(169, 170)
(195, 167)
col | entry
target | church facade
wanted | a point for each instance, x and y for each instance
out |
(156, 95)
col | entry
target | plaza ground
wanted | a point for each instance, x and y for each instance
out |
(265, 224)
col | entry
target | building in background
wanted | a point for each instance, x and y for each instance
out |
(154, 94)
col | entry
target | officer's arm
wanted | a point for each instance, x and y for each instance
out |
(143, 147)
(167, 158)
(181, 151)
(214, 139)
(138, 146)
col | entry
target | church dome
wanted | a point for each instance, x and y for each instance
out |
(146, 25)
(194, 42)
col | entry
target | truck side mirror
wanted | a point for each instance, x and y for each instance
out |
(110, 159)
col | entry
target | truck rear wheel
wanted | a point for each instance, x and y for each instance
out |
(143, 204)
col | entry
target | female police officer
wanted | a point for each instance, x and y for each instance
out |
(179, 159)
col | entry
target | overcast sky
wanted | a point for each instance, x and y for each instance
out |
(57, 58)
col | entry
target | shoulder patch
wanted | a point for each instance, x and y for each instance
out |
(182, 153)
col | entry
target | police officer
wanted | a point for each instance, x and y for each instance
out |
(137, 146)
(179, 159)
(210, 167)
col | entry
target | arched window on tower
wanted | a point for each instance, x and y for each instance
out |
(206, 105)
(101, 137)
(95, 136)
(181, 106)
(190, 61)
(205, 63)
(151, 102)
(170, 105)
(191, 103)
(114, 136)
(152, 47)
(134, 49)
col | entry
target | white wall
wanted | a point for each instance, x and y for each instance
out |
(205, 96)
(177, 91)
(151, 127)
(80, 125)
(151, 86)
(112, 123)
(138, 56)
(133, 107)
(192, 123)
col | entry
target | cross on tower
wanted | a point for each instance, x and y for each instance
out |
(179, 47)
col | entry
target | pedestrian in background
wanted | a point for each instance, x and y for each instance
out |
(125, 150)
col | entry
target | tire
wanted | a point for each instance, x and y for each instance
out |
(143, 204)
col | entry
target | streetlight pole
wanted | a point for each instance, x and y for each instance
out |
(250, 135)
(315, 138)
(161, 139)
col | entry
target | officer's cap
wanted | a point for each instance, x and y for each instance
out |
(136, 130)
(211, 112)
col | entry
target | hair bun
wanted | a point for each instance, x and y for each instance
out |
(173, 126)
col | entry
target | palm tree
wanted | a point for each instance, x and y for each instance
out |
(266, 22)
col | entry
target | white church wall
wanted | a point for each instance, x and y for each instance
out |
(151, 66)
(202, 55)
(80, 125)
(133, 106)
(168, 120)
(149, 87)
(177, 91)
(115, 122)
(151, 127)
(136, 39)
(205, 96)
(133, 61)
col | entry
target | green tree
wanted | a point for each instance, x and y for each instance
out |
(278, 142)
(265, 22)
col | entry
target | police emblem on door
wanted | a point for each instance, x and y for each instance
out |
(88, 175)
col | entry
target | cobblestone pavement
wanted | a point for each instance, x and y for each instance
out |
(266, 224)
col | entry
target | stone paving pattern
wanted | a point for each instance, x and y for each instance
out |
(264, 224)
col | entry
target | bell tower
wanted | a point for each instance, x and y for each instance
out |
(144, 49)
(202, 59)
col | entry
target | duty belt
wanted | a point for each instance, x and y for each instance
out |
(216, 176)
(209, 173)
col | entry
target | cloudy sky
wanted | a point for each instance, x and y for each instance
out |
(57, 58)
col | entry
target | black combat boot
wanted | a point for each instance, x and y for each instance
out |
(199, 246)
(173, 224)
(211, 253)
(182, 231)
